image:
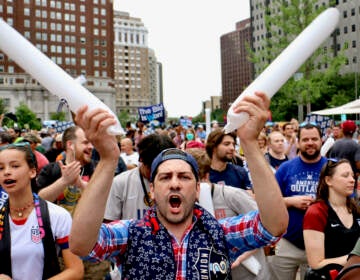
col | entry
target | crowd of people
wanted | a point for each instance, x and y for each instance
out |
(282, 202)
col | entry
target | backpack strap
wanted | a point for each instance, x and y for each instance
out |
(5, 241)
(51, 263)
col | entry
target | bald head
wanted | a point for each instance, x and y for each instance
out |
(127, 146)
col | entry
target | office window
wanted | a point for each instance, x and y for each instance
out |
(26, 23)
(9, 9)
(26, 12)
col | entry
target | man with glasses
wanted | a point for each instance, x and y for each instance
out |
(298, 179)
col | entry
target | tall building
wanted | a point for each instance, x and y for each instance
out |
(76, 35)
(345, 38)
(136, 71)
(236, 69)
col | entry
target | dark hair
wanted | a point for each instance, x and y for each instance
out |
(69, 134)
(322, 192)
(5, 138)
(287, 124)
(309, 125)
(150, 146)
(29, 157)
(215, 138)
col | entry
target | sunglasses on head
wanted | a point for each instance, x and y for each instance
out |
(308, 124)
(21, 146)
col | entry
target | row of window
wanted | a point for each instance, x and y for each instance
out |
(97, 73)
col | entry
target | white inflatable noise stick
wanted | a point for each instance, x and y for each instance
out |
(49, 74)
(286, 64)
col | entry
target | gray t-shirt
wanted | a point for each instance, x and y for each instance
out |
(126, 197)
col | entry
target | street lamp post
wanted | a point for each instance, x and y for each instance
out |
(297, 77)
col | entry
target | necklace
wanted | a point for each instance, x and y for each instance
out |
(20, 210)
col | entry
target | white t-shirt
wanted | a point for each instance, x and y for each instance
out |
(27, 251)
(130, 159)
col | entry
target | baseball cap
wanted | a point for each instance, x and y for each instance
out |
(348, 127)
(173, 153)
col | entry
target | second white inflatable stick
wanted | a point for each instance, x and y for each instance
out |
(285, 65)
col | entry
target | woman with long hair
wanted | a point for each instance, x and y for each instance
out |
(32, 231)
(332, 223)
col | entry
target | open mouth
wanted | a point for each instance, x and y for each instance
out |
(175, 201)
(9, 181)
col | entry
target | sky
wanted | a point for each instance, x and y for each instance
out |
(185, 36)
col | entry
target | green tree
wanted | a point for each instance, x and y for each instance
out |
(59, 116)
(2, 107)
(124, 117)
(27, 118)
(283, 23)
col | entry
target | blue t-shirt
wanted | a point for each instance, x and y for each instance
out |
(295, 177)
(233, 175)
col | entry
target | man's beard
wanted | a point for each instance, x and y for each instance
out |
(310, 157)
(225, 158)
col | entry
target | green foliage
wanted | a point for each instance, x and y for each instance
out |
(199, 118)
(59, 116)
(125, 117)
(283, 23)
(2, 107)
(218, 115)
(27, 118)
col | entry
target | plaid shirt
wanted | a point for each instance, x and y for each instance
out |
(243, 233)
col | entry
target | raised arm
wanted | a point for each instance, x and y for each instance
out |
(89, 212)
(273, 212)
